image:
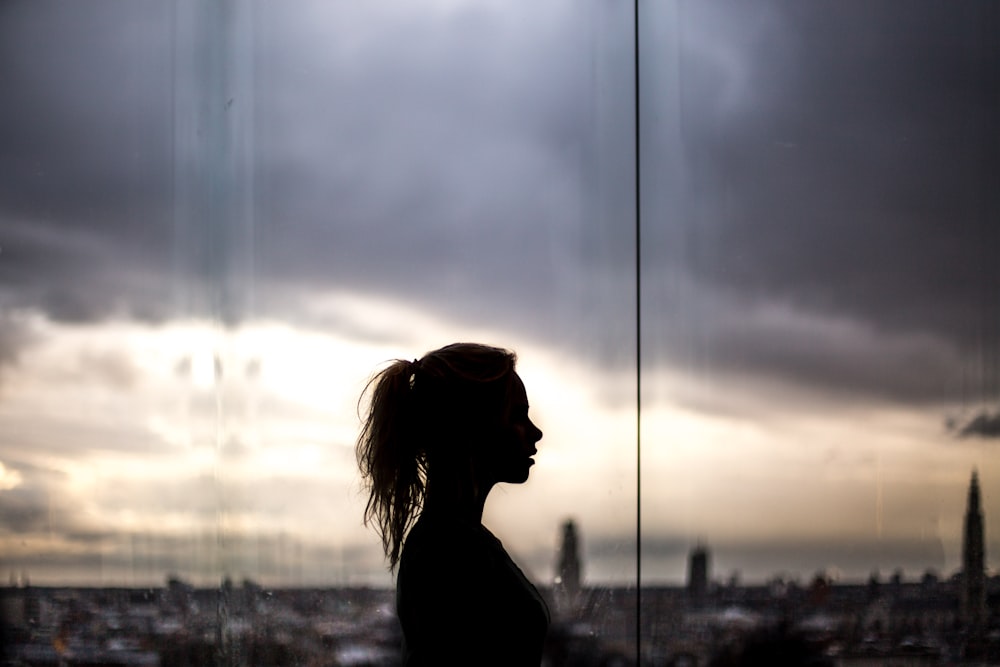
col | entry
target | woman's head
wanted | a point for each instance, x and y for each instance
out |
(459, 393)
(456, 410)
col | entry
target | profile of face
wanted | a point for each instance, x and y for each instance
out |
(509, 454)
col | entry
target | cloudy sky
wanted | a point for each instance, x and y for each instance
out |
(216, 221)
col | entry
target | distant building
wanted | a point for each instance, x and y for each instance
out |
(568, 572)
(973, 559)
(697, 582)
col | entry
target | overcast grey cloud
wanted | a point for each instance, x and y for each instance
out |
(820, 197)
(84, 192)
(15, 335)
(36, 505)
(867, 184)
(438, 158)
(837, 160)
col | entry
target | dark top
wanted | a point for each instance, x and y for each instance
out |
(461, 600)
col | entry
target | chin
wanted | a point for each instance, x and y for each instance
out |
(516, 476)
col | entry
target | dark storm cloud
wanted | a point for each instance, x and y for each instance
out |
(734, 342)
(866, 182)
(984, 425)
(84, 202)
(841, 160)
(448, 168)
(833, 159)
(436, 158)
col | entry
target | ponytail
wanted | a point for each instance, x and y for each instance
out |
(389, 456)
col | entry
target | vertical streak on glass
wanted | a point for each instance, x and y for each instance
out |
(213, 149)
(984, 190)
(638, 341)
(213, 229)
(661, 293)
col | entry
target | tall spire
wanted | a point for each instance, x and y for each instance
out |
(973, 504)
(973, 559)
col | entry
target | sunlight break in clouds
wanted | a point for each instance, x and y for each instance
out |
(119, 452)
(9, 479)
(247, 433)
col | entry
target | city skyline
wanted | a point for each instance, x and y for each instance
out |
(567, 559)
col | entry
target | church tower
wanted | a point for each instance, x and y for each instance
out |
(567, 583)
(973, 559)
(697, 582)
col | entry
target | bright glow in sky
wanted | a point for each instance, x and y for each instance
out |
(195, 448)
(187, 428)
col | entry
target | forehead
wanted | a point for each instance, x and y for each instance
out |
(518, 395)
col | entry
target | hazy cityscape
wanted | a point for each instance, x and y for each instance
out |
(936, 620)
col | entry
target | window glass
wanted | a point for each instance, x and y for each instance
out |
(218, 220)
(819, 309)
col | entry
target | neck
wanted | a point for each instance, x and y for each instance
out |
(463, 497)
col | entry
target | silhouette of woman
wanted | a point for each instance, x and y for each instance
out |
(440, 432)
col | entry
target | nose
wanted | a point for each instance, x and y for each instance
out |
(537, 432)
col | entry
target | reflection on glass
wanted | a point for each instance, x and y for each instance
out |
(819, 330)
(217, 220)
